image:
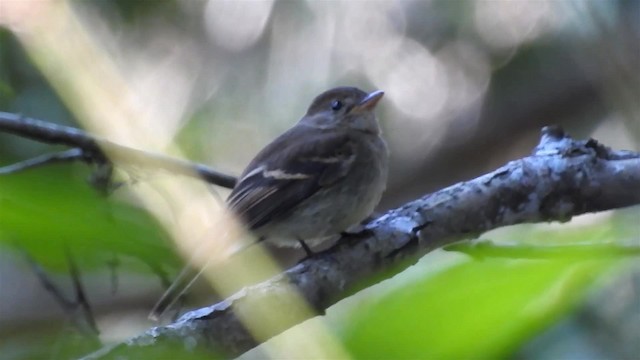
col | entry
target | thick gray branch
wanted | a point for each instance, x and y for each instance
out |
(562, 179)
(94, 150)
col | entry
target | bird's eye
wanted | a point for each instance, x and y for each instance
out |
(336, 105)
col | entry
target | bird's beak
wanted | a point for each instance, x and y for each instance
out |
(369, 102)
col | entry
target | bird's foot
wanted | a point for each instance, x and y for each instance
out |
(306, 249)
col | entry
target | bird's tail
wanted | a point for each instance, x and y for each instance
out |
(178, 287)
(187, 277)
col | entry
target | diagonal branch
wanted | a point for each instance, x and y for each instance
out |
(561, 179)
(94, 149)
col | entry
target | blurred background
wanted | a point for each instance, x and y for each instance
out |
(469, 85)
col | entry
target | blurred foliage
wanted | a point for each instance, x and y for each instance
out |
(49, 341)
(616, 227)
(49, 210)
(129, 11)
(23, 89)
(64, 343)
(479, 310)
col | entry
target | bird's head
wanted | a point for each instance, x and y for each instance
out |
(344, 107)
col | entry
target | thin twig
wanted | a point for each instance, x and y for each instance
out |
(46, 159)
(113, 264)
(67, 305)
(81, 298)
(99, 149)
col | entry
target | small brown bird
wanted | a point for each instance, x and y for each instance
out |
(316, 180)
(323, 175)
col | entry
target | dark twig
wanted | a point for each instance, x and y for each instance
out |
(46, 159)
(81, 299)
(98, 150)
(70, 307)
(562, 179)
(67, 305)
(159, 272)
(113, 264)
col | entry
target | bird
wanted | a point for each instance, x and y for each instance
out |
(325, 174)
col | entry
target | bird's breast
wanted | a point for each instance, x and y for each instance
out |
(351, 201)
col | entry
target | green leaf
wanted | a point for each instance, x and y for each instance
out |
(48, 210)
(474, 310)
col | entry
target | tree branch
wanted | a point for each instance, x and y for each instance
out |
(94, 148)
(561, 179)
(46, 159)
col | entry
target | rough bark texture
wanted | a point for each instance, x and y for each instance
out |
(561, 179)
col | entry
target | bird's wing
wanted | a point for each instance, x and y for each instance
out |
(292, 168)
